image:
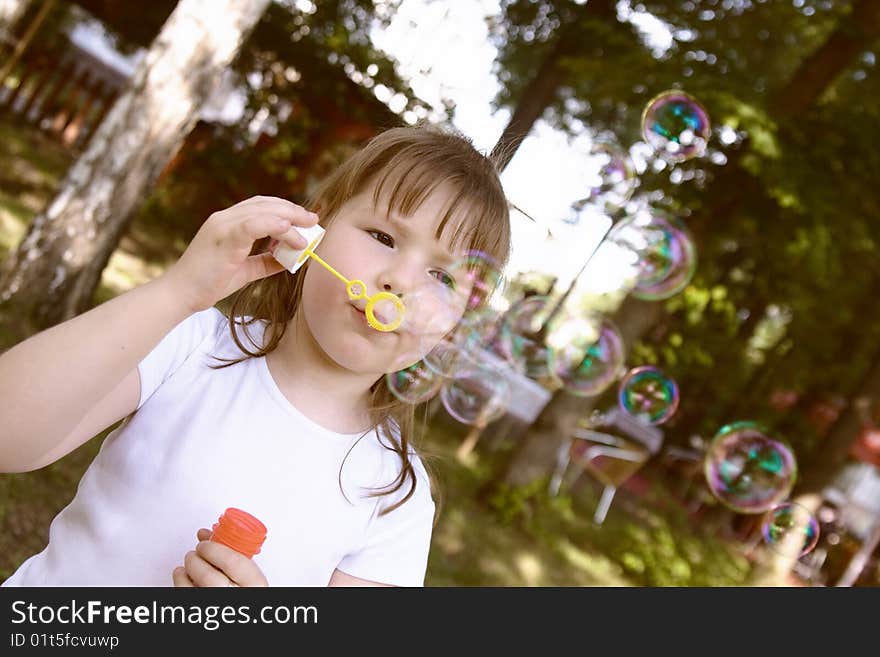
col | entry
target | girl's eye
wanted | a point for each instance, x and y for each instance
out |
(384, 238)
(444, 278)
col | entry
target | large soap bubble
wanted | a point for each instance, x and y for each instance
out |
(747, 470)
(660, 250)
(477, 394)
(585, 352)
(676, 125)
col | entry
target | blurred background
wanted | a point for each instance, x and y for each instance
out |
(695, 177)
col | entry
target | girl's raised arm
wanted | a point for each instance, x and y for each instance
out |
(51, 382)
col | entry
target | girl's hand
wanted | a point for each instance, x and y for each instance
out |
(215, 564)
(217, 262)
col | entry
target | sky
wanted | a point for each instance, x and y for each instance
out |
(443, 49)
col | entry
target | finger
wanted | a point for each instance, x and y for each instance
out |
(234, 565)
(294, 239)
(181, 579)
(201, 572)
(203, 534)
(274, 205)
(259, 226)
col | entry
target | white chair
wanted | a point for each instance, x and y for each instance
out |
(612, 447)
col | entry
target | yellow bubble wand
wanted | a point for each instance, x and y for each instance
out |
(356, 289)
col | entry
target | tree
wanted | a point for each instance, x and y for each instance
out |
(721, 202)
(599, 17)
(50, 277)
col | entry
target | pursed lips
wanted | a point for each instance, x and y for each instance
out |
(363, 315)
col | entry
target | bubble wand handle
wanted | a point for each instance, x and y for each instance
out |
(342, 278)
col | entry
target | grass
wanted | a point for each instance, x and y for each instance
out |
(519, 537)
(526, 537)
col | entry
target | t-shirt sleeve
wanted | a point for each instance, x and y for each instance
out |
(173, 350)
(396, 548)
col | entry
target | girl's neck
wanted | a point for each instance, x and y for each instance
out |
(317, 386)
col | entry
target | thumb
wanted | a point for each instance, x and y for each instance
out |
(203, 534)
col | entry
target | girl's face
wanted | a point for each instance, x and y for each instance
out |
(401, 255)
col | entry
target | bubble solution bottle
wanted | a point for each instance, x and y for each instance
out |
(239, 530)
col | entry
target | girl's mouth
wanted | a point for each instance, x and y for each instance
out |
(362, 318)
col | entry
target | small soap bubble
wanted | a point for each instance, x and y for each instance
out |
(648, 394)
(660, 252)
(414, 384)
(790, 528)
(477, 394)
(676, 125)
(747, 470)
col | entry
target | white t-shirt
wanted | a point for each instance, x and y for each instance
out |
(203, 440)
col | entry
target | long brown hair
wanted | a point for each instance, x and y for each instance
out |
(413, 162)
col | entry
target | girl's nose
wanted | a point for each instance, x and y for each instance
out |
(394, 279)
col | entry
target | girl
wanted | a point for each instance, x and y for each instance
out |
(280, 409)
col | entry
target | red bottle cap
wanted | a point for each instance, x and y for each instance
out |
(239, 530)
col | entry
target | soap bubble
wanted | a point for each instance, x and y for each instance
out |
(429, 311)
(477, 394)
(615, 181)
(415, 384)
(518, 341)
(436, 306)
(677, 125)
(477, 277)
(648, 394)
(660, 251)
(460, 346)
(585, 352)
(747, 470)
(477, 327)
(445, 358)
(790, 528)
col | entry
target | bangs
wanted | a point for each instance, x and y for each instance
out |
(473, 218)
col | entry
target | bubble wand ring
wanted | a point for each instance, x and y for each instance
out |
(356, 289)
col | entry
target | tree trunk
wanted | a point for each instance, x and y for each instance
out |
(53, 273)
(537, 448)
(834, 452)
(849, 39)
(541, 90)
